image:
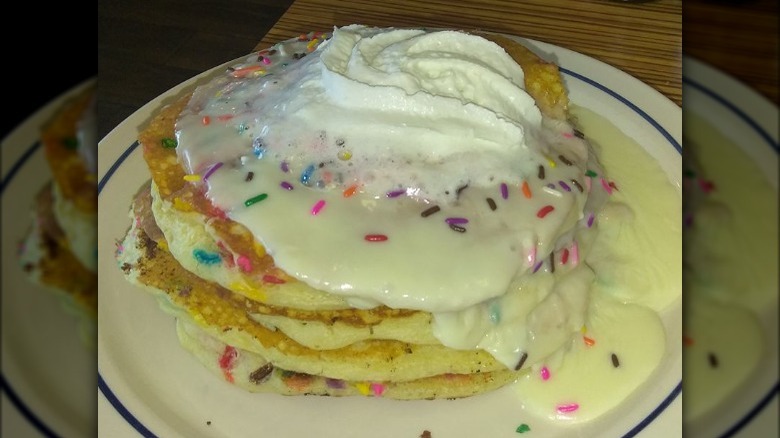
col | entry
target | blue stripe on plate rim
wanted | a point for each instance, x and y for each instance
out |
(4, 386)
(774, 145)
(144, 431)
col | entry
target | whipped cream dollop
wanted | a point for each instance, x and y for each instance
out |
(406, 168)
(425, 112)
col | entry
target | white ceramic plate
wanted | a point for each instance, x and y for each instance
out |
(48, 373)
(149, 384)
(750, 121)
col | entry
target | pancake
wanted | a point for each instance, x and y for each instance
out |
(232, 289)
(59, 251)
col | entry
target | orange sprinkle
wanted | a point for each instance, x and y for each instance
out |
(526, 190)
(588, 341)
(225, 117)
(241, 72)
(349, 191)
(688, 341)
(205, 120)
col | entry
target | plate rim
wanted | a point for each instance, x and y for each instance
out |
(25, 145)
(735, 90)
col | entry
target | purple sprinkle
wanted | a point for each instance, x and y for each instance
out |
(590, 220)
(504, 191)
(456, 220)
(211, 170)
(536, 268)
(334, 383)
(564, 186)
(285, 185)
(395, 193)
(551, 185)
(285, 167)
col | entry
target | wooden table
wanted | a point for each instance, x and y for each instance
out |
(739, 38)
(642, 39)
(146, 47)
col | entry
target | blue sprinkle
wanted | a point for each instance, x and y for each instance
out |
(241, 128)
(495, 312)
(258, 147)
(206, 258)
(306, 175)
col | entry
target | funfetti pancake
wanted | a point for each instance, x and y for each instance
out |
(400, 208)
(60, 249)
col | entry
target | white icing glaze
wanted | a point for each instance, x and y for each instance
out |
(280, 119)
(731, 259)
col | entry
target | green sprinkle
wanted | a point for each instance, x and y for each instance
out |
(169, 143)
(255, 199)
(70, 143)
(689, 173)
(523, 428)
(591, 173)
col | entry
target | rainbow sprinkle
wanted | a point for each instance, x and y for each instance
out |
(526, 190)
(567, 408)
(545, 373)
(244, 263)
(375, 238)
(205, 257)
(256, 199)
(523, 428)
(349, 191)
(306, 175)
(285, 185)
(606, 186)
(317, 208)
(544, 211)
(212, 169)
(169, 143)
(272, 279)
(191, 177)
(504, 191)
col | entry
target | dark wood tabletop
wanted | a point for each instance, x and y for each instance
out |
(146, 47)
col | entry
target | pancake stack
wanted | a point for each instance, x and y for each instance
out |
(60, 251)
(272, 328)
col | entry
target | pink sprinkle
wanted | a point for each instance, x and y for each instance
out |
(211, 170)
(565, 409)
(244, 263)
(317, 207)
(375, 238)
(504, 191)
(456, 220)
(266, 61)
(565, 256)
(545, 373)
(568, 134)
(606, 186)
(575, 254)
(377, 389)
(590, 220)
(532, 256)
(588, 183)
(272, 279)
(706, 186)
